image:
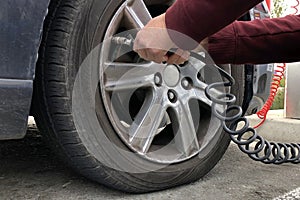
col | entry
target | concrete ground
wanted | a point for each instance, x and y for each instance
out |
(29, 170)
(277, 127)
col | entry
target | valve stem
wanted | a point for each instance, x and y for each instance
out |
(123, 41)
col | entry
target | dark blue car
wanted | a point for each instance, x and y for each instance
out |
(116, 119)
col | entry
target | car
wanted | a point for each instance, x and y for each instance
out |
(114, 118)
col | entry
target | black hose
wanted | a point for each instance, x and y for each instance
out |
(246, 137)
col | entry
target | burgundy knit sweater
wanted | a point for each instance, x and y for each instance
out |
(258, 41)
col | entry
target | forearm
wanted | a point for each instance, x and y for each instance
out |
(258, 41)
(201, 18)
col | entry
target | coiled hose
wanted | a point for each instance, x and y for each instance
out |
(246, 137)
(277, 77)
(295, 7)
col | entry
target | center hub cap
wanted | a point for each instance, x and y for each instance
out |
(171, 75)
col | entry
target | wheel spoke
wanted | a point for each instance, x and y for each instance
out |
(200, 85)
(197, 64)
(199, 88)
(121, 67)
(199, 94)
(137, 13)
(146, 123)
(128, 76)
(130, 83)
(185, 134)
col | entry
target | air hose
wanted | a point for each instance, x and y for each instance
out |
(277, 77)
(295, 7)
(246, 137)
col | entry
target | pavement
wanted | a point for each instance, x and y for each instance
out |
(277, 128)
(30, 170)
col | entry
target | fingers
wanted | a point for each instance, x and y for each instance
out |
(155, 55)
(204, 43)
(179, 57)
(159, 56)
(153, 41)
(150, 54)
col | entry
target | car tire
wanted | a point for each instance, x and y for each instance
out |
(84, 134)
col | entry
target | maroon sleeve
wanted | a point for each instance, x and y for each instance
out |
(259, 41)
(201, 18)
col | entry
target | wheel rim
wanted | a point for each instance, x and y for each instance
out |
(159, 111)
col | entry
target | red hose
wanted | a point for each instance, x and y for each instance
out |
(278, 75)
(268, 4)
(296, 7)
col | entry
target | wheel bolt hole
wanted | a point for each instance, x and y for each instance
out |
(172, 96)
(187, 83)
(158, 79)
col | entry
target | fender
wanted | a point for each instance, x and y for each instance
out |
(20, 36)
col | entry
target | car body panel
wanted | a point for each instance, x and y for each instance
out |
(263, 73)
(20, 35)
(15, 100)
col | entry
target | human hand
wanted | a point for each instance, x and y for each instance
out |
(153, 43)
(204, 43)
